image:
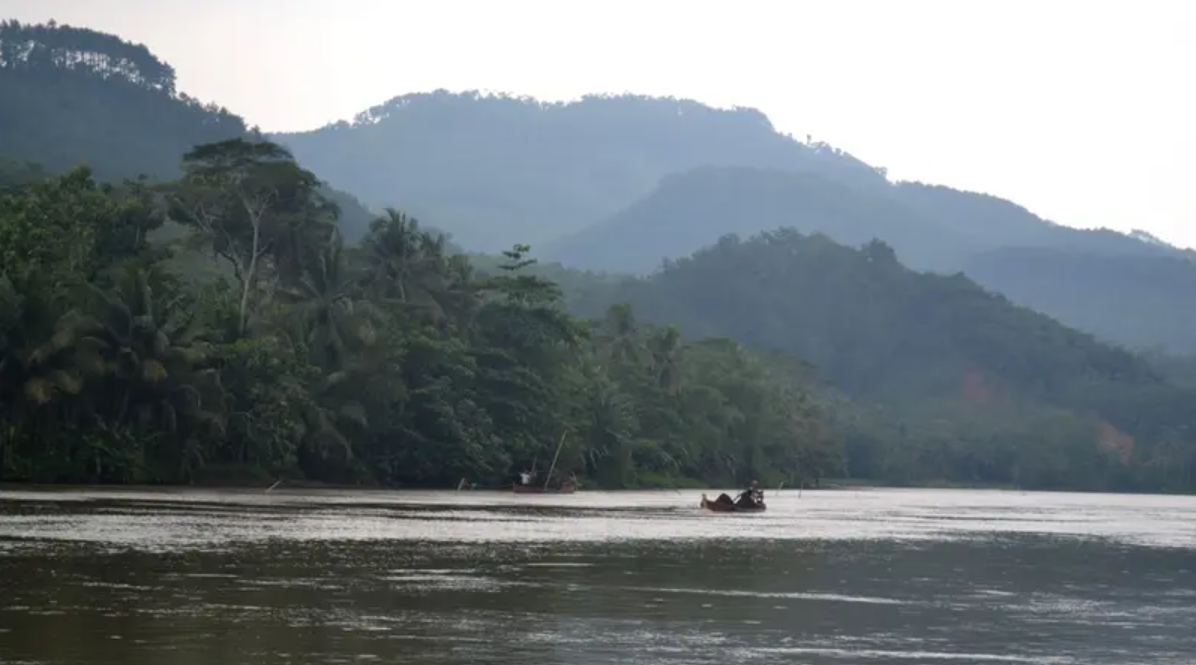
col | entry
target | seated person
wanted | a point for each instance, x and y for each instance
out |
(752, 494)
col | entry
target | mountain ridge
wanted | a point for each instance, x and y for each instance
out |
(932, 228)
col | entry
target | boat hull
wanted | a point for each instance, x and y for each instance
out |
(723, 507)
(567, 488)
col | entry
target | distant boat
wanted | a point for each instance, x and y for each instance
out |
(725, 504)
(565, 488)
(525, 486)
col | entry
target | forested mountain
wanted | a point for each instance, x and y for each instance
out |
(691, 210)
(1123, 289)
(489, 167)
(70, 96)
(931, 227)
(968, 384)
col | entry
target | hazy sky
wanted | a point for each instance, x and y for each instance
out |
(1084, 112)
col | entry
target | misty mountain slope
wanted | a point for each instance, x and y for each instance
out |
(931, 227)
(991, 222)
(70, 96)
(1123, 289)
(691, 210)
(619, 183)
(1139, 301)
(494, 170)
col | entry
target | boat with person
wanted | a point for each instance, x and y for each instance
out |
(750, 500)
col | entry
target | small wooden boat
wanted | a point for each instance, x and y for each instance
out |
(565, 488)
(724, 504)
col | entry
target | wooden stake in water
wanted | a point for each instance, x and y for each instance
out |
(558, 453)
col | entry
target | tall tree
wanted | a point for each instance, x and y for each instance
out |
(250, 203)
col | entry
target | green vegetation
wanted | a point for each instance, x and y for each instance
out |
(229, 316)
(939, 379)
(390, 362)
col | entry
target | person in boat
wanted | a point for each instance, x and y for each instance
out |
(753, 494)
(526, 477)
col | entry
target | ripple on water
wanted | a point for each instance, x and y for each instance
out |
(885, 655)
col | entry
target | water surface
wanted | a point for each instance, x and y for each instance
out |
(878, 576)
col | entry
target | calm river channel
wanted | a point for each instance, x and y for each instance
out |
(182, 577)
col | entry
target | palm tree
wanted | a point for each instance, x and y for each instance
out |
(325, 308)
(664, 348)
(392, 252)
(618, 336)
(408, 267)
(36, 363)
(140, 341)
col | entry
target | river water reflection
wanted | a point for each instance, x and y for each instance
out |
(231, 578)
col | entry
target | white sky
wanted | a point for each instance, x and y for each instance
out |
(1084, 112)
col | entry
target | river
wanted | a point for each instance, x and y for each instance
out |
(185, 577)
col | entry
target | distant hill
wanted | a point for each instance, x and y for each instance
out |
(493, 170)
(616, 183)
(71, 95)
(1139, 301)
(939, 355)
(691, 210)
(1124, 289)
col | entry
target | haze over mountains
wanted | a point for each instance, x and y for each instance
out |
(619, 183)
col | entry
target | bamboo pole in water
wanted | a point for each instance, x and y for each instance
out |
(548, 477)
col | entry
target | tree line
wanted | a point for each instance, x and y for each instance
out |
(391, 361)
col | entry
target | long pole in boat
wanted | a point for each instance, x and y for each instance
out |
(558, 454)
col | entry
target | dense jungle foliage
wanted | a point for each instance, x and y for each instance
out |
(389, 362)
(959, 383)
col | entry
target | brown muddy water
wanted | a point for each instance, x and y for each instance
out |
(237, 578)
